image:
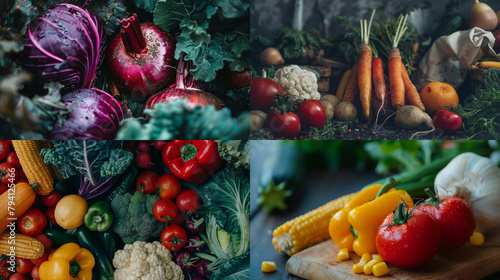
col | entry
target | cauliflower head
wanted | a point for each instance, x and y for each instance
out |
(145, 261)
(299, 83)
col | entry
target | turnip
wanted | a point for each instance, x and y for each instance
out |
(345, 111)
(410, 117)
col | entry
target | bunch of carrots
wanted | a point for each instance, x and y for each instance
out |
(367, 69)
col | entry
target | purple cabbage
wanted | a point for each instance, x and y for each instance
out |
(94, 114)
(64, 45)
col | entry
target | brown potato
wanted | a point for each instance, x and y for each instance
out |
(257, 120)
(329, 109)
(331, 98)
(345, 111)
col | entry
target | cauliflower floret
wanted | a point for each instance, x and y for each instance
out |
(299, 83)
(145, 261)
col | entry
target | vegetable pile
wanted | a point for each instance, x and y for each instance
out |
(376, 98)
(399, 220)
(98, 69)
(124, 209)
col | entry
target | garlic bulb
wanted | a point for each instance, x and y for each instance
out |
(476, 179)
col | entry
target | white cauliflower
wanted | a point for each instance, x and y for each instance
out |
(299, 83)
(145, 261)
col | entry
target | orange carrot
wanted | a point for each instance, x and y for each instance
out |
(395, 63)
(365, 68)
(352, 89)
(378, 78)
(411, 93)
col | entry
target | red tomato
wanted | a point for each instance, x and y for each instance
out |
(454, 217)
(174, 238)
(169, 185)
(46, 241)
(283, 125)
(262, 91)
(188, 200)
(8, 173)
(40, 260)
(5, 273)
(237, 80)
(12, 159)
(32, 222)
(49, 212)
(447, 121)
(165, 210)
(4, 149)
(311, 114)
(24, 266)
(146, 182)
(3, 188)
(18, 276)
(51, 199)
(34, 273)
(410, 244)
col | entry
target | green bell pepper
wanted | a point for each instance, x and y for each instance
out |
(99, 217)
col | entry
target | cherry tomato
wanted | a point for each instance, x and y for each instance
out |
(51, 199)
(169, 185)
(49, 212)
(46, 241)
(311, 114)
(165, 210)
(18, 276)
(35, 272)
(146, 182)
(5, 273)
(262, 91)
(410, 244)
(40, 260)
(454, 217)
(237, 80)
(4, 149)
(32, 222)
(188, 200)
(283, 125)
(447, 121)
(174, 237)
(3, 188)
(24, 266)
(8, 173)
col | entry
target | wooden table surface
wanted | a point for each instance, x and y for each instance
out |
(322, 187)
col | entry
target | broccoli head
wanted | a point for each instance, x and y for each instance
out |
(134, 219)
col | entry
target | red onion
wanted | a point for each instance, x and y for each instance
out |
(141, 59)
(186, 88)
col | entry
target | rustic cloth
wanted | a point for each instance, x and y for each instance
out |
(450, 57)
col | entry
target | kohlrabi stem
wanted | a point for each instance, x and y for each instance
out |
(132, 36)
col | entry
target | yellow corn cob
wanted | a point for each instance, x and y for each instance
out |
(28, 152)
(25, 246)
(309, 229)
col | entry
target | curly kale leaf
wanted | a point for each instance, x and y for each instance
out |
(236, 152)
(176, 120)
(119, 161)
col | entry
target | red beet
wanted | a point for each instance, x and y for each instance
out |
(141, 59)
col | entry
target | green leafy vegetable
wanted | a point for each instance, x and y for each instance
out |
(109, 12)
(237, 268)
(148, 5)
(294, 43)
(236, 152)
(176, 120)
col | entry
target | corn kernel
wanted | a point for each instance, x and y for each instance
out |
(368, 268)
(343, 254)
(357, 268)
(377, 257)
(477, 239)
(365, 258)
(268, 266)
(380, 269)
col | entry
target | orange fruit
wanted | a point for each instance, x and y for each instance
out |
(437, 96)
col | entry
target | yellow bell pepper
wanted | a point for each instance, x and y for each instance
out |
(339, 227)
(69, 262)
(366, 218)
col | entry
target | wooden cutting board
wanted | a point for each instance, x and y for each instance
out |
(467, 262)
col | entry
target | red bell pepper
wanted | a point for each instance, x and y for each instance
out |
(192, 160)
